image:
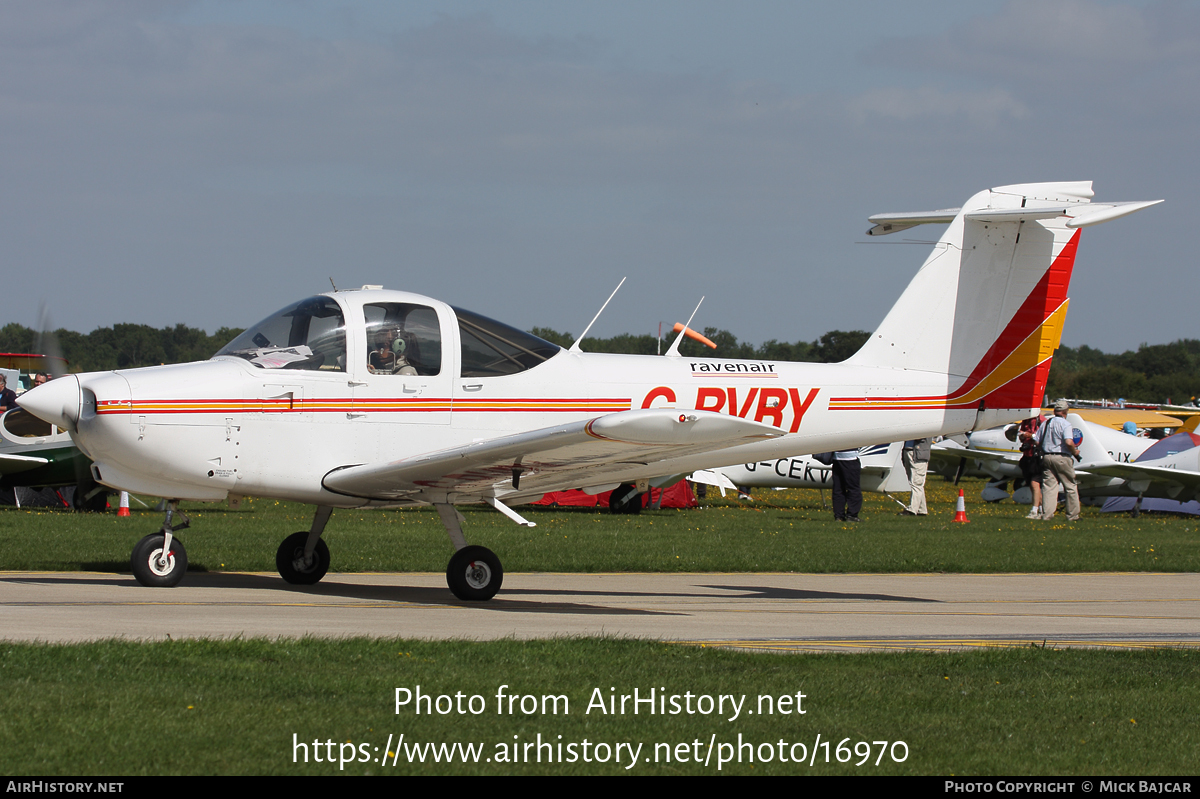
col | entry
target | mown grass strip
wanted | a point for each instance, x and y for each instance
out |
(782, 531)
(239, 707)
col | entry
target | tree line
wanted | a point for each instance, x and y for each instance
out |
(834, 346)
(123, 346)
(1153, 373)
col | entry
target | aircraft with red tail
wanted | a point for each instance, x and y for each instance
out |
(369, 398)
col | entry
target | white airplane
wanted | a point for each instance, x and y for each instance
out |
(1165, 469)
(376, 398)
(1113, 464)
(881, 472)
(34, 453)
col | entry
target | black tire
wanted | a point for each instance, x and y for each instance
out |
(97, 503)
(289, 560)
(146, 568)
(625, 499)
(474, 574)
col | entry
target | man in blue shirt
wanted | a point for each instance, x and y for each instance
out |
(1056, 438)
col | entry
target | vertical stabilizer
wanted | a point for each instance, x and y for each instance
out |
(987, 308)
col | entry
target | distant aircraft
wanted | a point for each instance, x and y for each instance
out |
(1113, 464)
(881, 472)
(36, 454)
(383, 398)
(1168, 469)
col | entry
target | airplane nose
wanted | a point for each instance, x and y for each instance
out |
(57, 402)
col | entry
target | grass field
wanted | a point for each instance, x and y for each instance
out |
(782, 531)
(233, 707)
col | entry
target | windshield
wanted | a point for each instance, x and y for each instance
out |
(310, 334)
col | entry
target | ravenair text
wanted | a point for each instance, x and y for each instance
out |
(782, 407)
(702, 368)
(610, 702)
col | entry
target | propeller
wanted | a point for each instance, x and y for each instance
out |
(47, 343)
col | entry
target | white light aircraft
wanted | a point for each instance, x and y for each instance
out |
(1112, 463)
(375, 398)
(996, 454)
(881, 472)
(1168, 469)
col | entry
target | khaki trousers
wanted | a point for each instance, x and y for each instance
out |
(1058, 469)
(916, 471)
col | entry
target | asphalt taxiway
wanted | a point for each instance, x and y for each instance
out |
(781, 612)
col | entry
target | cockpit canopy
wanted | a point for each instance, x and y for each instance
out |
(402, 338)
(309, 335)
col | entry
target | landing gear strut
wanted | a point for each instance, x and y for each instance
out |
(474, 573)
(159, 560)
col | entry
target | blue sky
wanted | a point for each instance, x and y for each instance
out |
(209, 162)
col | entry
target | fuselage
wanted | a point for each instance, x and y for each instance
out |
(271, 417)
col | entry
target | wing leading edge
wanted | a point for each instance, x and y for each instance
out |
(591, 452)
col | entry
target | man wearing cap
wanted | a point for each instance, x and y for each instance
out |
(1059, 453)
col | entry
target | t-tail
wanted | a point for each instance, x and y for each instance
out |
(987, 307)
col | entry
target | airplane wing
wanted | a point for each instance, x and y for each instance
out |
(954, 452)
(594, 452)
(14, 464)
(1180, 483)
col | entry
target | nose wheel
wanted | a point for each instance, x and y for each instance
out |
(474, 574)
(155, 567)
(159, 560)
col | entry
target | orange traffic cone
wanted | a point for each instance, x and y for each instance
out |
(124, 509)
(960, 511)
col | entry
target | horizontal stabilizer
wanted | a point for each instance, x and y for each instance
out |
(891, 223)
(1096, 213)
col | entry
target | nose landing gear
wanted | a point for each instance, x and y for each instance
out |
(159, 560)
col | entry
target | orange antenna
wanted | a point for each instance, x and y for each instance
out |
(692, 334)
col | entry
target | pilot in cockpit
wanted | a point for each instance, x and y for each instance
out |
(389, 357)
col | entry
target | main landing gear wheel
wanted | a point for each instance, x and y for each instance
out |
(152, 568)
(289, 560)
(625, 499)
(474, 574)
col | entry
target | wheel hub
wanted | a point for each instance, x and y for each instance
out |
(303, 564)
(160, 565)
(478, 574)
